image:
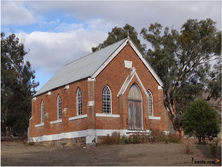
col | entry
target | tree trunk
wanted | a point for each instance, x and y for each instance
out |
(178, 130)
(180, 133)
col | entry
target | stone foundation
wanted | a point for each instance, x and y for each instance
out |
(81, 141)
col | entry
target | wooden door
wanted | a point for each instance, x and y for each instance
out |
(135, 108)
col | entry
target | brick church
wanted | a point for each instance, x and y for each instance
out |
(111, 90)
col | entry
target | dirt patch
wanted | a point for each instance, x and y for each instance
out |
(161, 154)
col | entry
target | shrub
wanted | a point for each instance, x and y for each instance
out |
(106, 140)
(123, 140)
(213, 147)
(173, 138)
(188, 148)
(31, 143)
(113, 139)
(201, 120)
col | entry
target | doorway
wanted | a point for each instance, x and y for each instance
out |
(135, 108)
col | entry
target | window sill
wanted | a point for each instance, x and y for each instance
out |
(57, 121)
(78, 117)
(42, 124)
(108, 115)
(155, 118)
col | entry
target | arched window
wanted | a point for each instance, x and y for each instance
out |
(59, 107)
(107, 100)
(150, 103)
(79, 101)
(42, 112)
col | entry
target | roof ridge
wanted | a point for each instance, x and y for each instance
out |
(94, 52)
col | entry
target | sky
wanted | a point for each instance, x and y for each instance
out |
(56, 32)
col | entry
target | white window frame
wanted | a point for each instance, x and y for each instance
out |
(77, 101)
(59, 109)
(110, 100)
(42, 112)
(150, 96)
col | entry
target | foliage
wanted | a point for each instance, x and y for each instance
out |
(159, 136)
(31, 144)
(17, 85)
(181, 59)
(201, 120)
(136, 138)
(118, 34)
(214, 82)
(173, 138)
(113, 139)
(213, 148)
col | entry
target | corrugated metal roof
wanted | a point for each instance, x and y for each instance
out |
(80, 68)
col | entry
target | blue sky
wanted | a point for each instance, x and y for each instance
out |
(58, 32)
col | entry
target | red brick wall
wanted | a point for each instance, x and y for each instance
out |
(68, 97)
(114, 76)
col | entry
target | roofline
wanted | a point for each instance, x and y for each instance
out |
(35, 95)
(109, 59)
(149, 67)
(113, 55)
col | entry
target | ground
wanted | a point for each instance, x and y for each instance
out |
(146, 154)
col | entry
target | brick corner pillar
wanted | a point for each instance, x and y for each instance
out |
(31, 121)
(91, 131)
(164, 115)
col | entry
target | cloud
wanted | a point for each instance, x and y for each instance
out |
(49, 51)
(138, 14)
(16, 14)
(100, 24)
(65, 27)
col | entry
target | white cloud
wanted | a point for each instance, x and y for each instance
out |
(138, 14)
(16, 14)
(50, 51)
(100, 24)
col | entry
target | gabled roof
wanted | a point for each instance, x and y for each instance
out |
(80, 68)
(90, 66)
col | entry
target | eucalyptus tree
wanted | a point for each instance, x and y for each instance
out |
(182, 60)
(119, 33)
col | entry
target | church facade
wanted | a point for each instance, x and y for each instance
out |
(111, 90)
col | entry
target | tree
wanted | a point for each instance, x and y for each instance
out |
(214, 82)
(117, 34)
(181, 59)
(201, 120)
(17, 85)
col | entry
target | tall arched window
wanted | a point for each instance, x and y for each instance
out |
(150, 103)
(107, 100)
(42, 112)
(79, 101)
(59, 107)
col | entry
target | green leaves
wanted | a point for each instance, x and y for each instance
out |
(201, 120)
(119, 33)
(17, 84)
(181, 59)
